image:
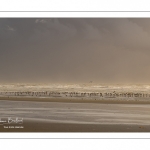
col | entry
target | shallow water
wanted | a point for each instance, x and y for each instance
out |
(82, 113)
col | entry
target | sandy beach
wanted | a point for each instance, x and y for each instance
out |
(74, 115)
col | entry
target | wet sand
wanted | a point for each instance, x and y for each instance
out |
(40, 126)
(75, 100)
(75, 115)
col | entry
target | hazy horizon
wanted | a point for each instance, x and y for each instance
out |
(75, 50)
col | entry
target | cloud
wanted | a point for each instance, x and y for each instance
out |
(52, 30)
(10, 28)
(75, 50)
(40, 21)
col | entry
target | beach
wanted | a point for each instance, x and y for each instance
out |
(74, 115)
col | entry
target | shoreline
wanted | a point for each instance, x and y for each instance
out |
(74, 100)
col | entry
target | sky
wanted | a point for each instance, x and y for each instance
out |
(75, 50)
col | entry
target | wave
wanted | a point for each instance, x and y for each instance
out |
(75, 87)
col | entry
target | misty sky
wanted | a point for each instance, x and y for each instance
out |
(75, 50)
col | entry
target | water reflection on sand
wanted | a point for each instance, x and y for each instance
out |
(82, 113)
